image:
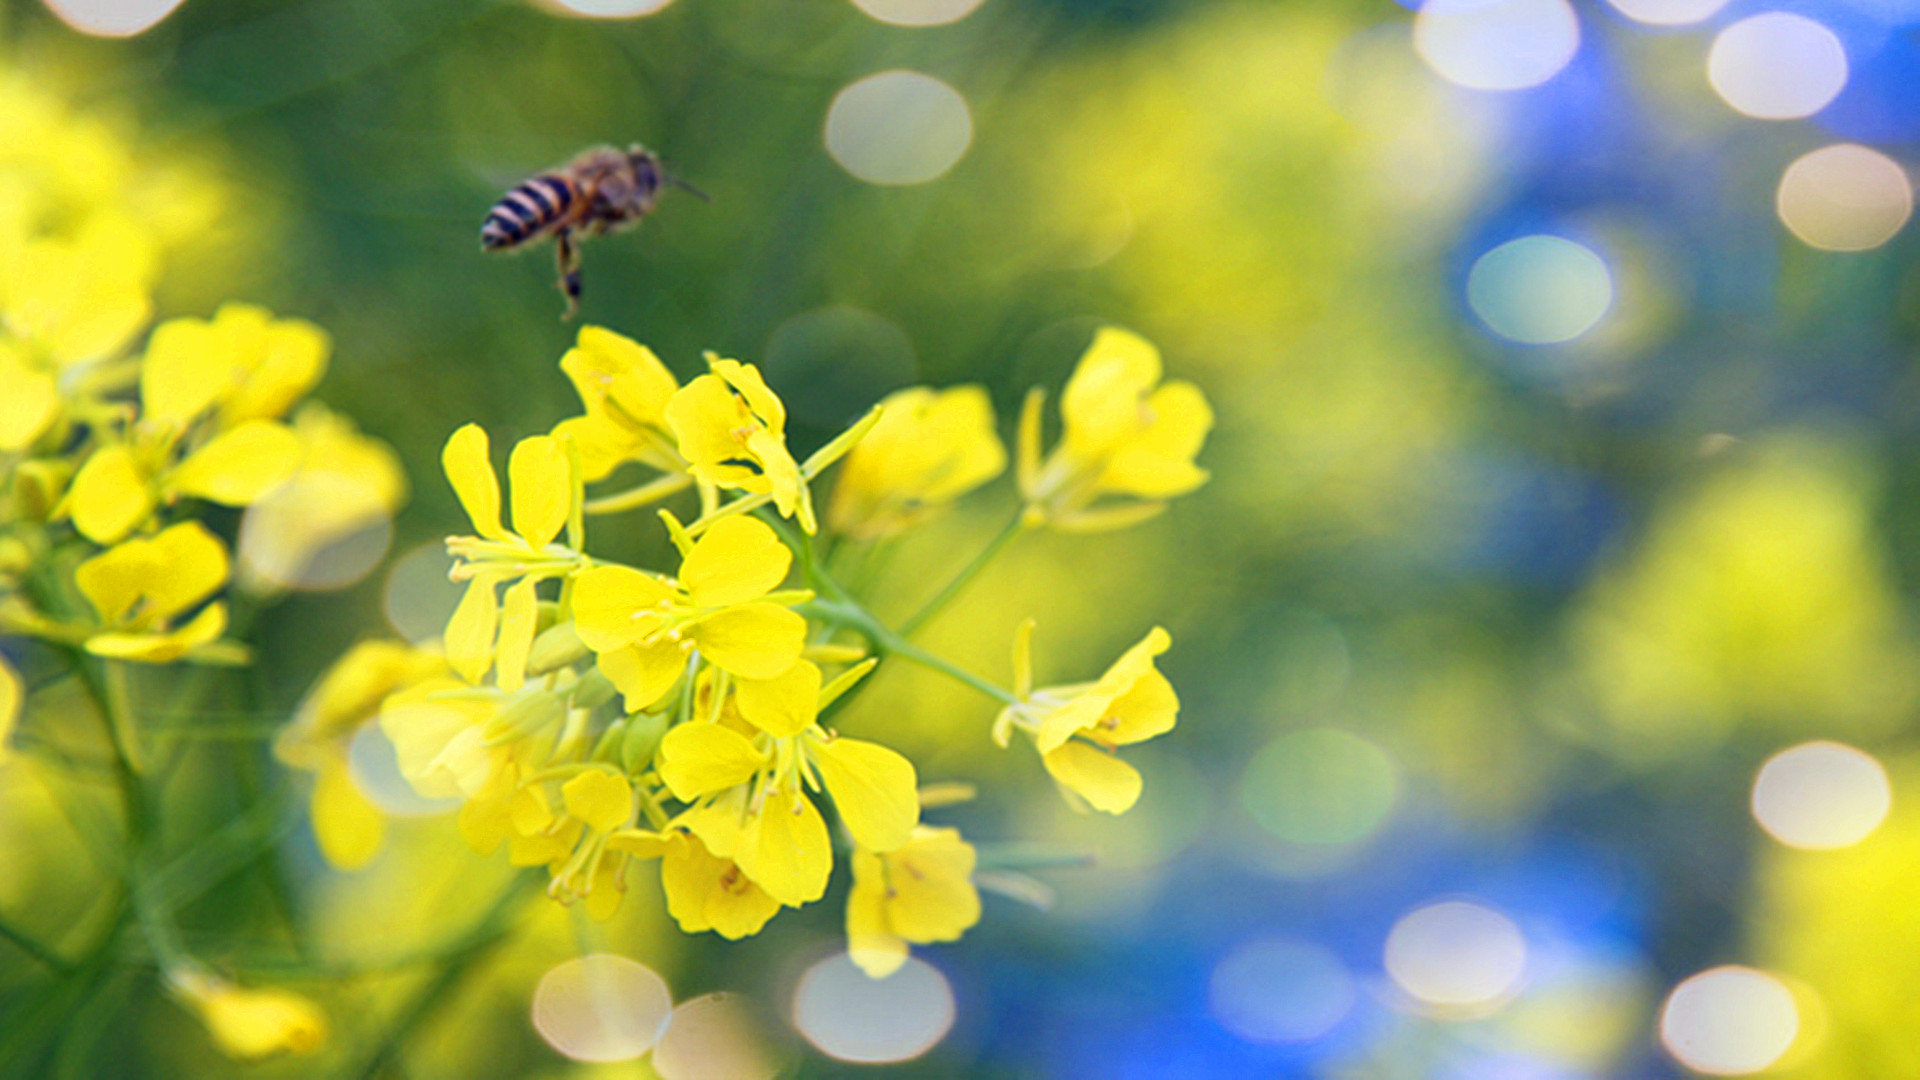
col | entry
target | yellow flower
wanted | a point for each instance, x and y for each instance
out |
(732, 432)
(1077, 728)
(65, 303)
(921, 893)
(545, 496)
(243, 363)
(251, 1024)
(780, 840)
(644, 627)
(625, 389)
(1126, 434)
(138, 587)
(704, 891)
(211, 394)
(929, 448)
(348, 827)
(438, 731)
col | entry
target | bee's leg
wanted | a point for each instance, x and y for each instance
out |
(568, 257)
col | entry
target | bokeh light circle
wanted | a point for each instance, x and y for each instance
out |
(607, 9)
(1729, 1021)
(1777, 66)
(1821, 795)
(1668, 12)
(319, 530)
(898, 127)
(1281, 990)
(713, 1037)
(1496, 44)
(918, 12)
(1540, 290)
(418, 599)
(1845, 197)
(1456, 954)
(112, 18)
(834, 362)
(375, 769)
(852, 1017)
(601, 1008)
(1319, 786)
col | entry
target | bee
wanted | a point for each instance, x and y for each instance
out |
(601, 190)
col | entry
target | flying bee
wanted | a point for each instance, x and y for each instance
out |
(601, 190)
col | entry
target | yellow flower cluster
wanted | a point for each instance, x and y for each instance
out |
(111, 448)
(594, 716)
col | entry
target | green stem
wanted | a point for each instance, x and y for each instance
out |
(1006, 536)
(19, 939)
(644, 495)
(841, 609)
(844, 612)
(118, 702)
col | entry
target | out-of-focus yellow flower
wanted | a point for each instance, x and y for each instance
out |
(921, 892)
(625, 389)
(238, 373)
(1126, 434)
(81, 298)
(251, 1024)
(732, 431)
(545, 493)
(1076, 728)
(243, 362)
(138, 587)
(929, 448)
(348, 827)
(1761, 595)
(643, 626)
(438, 731)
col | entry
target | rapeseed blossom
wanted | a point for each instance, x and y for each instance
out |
(683, 717)
(1126, 435)
(929, 448)
(1076, 728)
(920, 893)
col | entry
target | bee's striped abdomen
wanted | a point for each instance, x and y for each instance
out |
(525, 211)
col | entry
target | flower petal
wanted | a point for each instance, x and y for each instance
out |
(785, 848)
(698, 759)
(643, 673)
(469, 467)
(1158, 462)
(737, 560)
(1104, 781)
(13, 699)
(187, 368)
(753, 641)
(541, 487)
(346, 824)
(110, 495)
(874, 789)
(615, 606)
(599, 798)
(29, 400)
(703, 415)
(933, 896)
(240, 465)
(470, 632)
(193, 565)
(783, 705)
(519, 616)
(871, 942)
(1101, 406)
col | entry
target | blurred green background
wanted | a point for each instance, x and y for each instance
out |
(1517, 565)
